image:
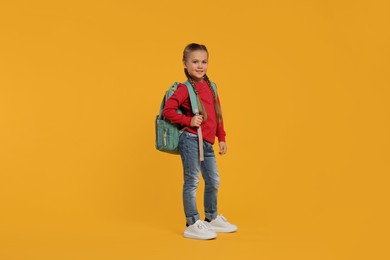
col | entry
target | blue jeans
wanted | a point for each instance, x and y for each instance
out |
(189, 151)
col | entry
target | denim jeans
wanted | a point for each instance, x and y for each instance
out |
(189, 151)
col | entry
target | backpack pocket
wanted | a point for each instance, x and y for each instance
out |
(167, 136)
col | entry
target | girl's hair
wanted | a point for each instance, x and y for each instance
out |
(199, 47)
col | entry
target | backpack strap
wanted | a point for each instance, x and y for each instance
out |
(192, 94)
(193, 100)
(195, 111)
(214, 88)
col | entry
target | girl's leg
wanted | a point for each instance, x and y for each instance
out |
(211, 178)
(188, 146)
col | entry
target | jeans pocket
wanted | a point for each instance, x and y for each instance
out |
(191, 136)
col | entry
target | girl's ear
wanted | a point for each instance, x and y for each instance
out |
(184, 64)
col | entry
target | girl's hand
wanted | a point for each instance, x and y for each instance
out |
(222, 148)
(196, 120)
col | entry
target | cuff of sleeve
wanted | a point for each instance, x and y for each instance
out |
(221, 139)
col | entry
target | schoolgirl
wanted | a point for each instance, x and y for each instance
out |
(209, 119)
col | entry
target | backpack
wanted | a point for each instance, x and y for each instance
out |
(168, 133)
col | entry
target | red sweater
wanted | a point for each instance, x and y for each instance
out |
(180, 99)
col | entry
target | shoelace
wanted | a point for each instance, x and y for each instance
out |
(200, 226)
(207, 225)
(203, 225)
(223, 218)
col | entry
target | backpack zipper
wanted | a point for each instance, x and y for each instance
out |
(165, 137)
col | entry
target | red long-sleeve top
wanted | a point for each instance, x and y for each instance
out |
(180, 99)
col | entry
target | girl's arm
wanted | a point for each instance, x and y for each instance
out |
(172, 105)
(221, 134)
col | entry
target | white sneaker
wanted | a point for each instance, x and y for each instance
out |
(220, 224)
(199, 230)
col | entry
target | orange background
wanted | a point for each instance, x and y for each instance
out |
(304, 87)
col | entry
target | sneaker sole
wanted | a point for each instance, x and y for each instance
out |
(224, 230)
(195, 236)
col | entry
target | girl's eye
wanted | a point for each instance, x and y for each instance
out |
(197, 61)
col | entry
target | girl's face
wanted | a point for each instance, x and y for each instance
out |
(196, 64)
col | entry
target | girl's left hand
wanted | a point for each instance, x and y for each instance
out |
(222, 148)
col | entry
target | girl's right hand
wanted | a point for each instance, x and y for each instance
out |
(196, 120)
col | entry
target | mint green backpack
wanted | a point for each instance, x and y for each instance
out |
(168, 133)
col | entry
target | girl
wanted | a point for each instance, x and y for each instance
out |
(195, 60)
